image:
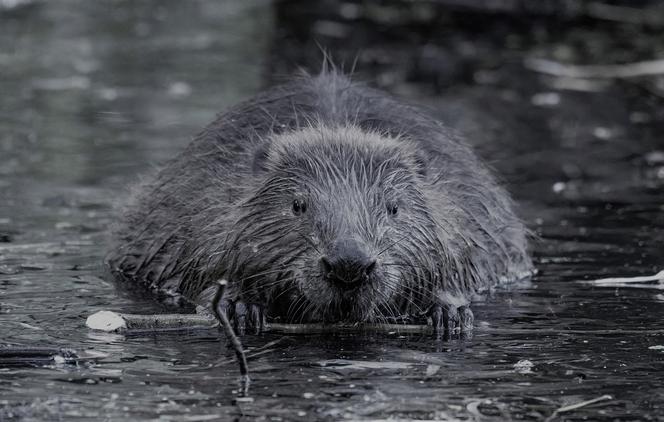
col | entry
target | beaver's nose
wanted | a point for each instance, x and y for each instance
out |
(347, 265)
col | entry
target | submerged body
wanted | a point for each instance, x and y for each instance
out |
(324, 200)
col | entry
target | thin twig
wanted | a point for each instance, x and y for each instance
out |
(137, 324)
(575, 406)
(230, 335)
(611, 71)
(11, 355)
(264, 349)
(659, 277)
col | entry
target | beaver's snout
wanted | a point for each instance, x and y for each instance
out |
(347, 265)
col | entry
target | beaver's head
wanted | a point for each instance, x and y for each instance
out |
(338, 228)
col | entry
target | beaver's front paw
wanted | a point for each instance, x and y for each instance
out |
(452, 322)
(243, 316)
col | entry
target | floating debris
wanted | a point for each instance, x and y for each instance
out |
(354, 365)
(546, 99)
(35, 356)
(524, 366)
(613, 71)
(577, 406)
(179, 89)
(110, 321)
(558, 187)
(655, 281)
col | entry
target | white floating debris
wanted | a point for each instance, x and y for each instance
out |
(603, 133)
(558, 187)
(62, 84)
(618, 281)
(30, 327)
(106, 321)
(63, 225)
(432, 370)
(108, 94)
(348, 364)
(524, 366)
(579, 405)
(658, 347)
(10, 4)
(546, 99)
(179, 89)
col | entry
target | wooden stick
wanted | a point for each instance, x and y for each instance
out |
(577, 406)
(230, 335)
(611, 71)
(131, 323)
(11, 355)
(659, 278)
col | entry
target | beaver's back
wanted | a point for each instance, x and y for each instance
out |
(157, 241)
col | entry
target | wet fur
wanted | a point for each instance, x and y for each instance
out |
(222, 208)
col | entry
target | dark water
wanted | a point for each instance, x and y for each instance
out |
(92, 94)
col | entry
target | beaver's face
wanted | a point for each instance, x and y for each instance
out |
(338, 233)
(347, 214)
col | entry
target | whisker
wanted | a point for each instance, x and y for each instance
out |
(392, 244)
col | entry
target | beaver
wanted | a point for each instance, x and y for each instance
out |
(324, 200)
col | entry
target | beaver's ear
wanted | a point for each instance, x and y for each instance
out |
(261, 158)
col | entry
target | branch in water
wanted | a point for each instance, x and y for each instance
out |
(611, 71)
(622, 281)
(131, 323)
(575, 406)
(123, 323)
(11, 355)
(230, 335)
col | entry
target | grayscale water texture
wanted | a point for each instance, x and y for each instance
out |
(94, 94)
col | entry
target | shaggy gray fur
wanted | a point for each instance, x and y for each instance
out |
(223, 208)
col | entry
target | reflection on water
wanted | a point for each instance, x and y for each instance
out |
(94, 93)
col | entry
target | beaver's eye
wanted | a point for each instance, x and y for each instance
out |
(392, 209)
(299, 207)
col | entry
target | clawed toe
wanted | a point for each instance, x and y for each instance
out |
(467, 320)
(243, 316)
(451, 322)
(256, 318)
